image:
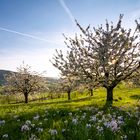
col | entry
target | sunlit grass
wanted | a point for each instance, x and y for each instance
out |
(15, 116)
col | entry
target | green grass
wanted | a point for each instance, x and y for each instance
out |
(90, 118)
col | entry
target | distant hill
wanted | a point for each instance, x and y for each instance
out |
(4, 72)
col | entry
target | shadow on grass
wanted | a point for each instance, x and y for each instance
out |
(137, 97)
(45, 99)
(49, 103)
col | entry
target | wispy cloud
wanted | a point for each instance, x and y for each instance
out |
(67, 10)
(29, 36)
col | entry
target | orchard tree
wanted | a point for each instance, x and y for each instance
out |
(88, 84)
(54, 89)
(24, 81)
(68, 84)
(107, 55)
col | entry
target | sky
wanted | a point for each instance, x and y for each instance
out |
(31, 30)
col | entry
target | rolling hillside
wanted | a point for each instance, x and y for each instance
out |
(4, 72)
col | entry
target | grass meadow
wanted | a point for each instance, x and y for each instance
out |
(81, 118)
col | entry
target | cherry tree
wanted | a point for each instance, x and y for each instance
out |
(105, 55)
(24, 81)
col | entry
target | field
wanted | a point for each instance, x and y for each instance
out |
(81, 118)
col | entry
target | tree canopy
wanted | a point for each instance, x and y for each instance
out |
(24, 81)
(105, 55)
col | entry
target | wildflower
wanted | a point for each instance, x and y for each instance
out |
(33, 137)
(109, 116)
(36, 117)
(106, 124)
(40, 129)
(100, 112)
(120, 118)
(45, 119)
(138, 122)
(88, 125)
(65, 121)
(53, 131)
(63, 130)
(5, 136)
(2, 122)
(85, 114)
(83, 117)
(99, 128)
(114, 125)
(28, 122)
(77, 109)
(137, 114)
(93, 118)
(15, 117)
(70, 114)
(33, 125)
(74, 121)
(40, 123)
(124, 137)
(129, 114)
(136, 108)
(46, 111)
(99, 121)
(25, 127)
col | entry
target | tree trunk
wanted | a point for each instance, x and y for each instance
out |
(109, 94)
(26, 97)
(68, 95)
(91, 92)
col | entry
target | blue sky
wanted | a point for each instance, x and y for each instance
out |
(31, 30)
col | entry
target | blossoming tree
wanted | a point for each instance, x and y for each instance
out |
(106, 55)
(24, 81)
(68, 84)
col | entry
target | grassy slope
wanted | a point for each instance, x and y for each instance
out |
(128, 98)
(123, 97)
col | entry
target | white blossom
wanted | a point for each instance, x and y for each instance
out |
(70, 114)
(45, 119)
(93, 118)
(33, 137)
(28, 122)
(138, 122)
(88, 125)
(5, 136)
(36, 117)
(114, 125)
(63, 130)
(33, 125)
(40, 129)
(2, 122)
(25, 127)
(65, 121)
(74, 121)
(99, 128)
(53, 131)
